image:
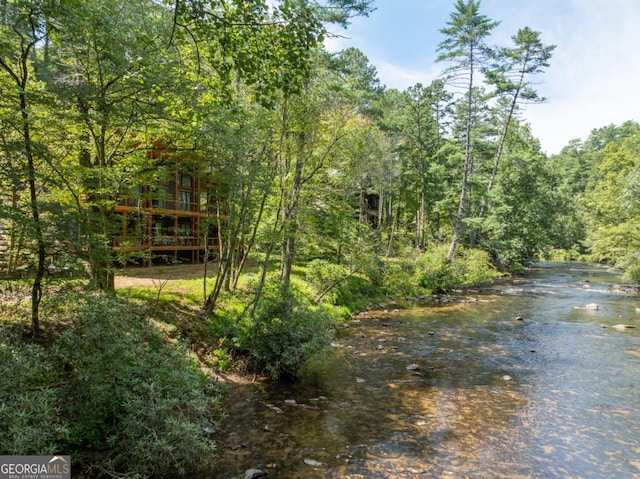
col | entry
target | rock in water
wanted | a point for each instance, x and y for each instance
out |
(592, 307)
(253, 474)
(314, 463)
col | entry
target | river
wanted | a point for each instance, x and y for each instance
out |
(460, 389)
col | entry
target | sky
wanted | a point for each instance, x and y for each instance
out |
(594, 75)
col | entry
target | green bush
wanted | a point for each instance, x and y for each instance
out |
(285, 331)
(631, 264)
(433, 271)
(397, 282)
(146, 400)
(351, 290)
(29, 408)
(322, 274)
(474, 267)
(110, 383)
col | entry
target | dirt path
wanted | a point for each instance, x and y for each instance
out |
(138, 277)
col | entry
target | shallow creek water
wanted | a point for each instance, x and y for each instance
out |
(460, 390)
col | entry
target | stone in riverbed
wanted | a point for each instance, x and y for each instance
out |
(253, 474)
(314, 463)
(589, 307)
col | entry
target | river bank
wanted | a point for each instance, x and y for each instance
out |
(459, 389)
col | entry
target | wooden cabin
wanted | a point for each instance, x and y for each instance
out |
(166, 222)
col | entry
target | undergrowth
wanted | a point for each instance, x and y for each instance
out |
(117, 381)
(110, 389)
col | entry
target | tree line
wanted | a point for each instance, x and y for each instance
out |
(324, 190)
(309, 155)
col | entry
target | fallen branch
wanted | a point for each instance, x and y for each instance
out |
(317, 299)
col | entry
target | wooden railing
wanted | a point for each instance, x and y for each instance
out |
(155, 242)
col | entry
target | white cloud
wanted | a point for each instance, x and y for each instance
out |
(594, 74)
(394, 76)
(336, 42)
(593, 79)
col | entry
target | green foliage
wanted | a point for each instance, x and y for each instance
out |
(322, 275)
(434, 272)
(524, 206)
(473, 266)
(285, 331)
(29, 405)
(611, 205)
(631, 265)
(433, 269)
(341, 286)
(133, 392)
(398, 282)
(110, 381)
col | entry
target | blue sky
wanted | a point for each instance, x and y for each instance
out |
(593, 79)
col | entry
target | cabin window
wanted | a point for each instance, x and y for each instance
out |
(186, 181)
(161, 194)
(184, 200)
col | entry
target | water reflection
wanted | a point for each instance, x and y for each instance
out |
(460, 390)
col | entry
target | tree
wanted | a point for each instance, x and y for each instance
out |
(464, 45)
(526, 204)
(242, 157)
(21, 29)
(138, 69)
(424, 109)
(612, 208)
(527, 57)
(112, 72)
(577, 165)
(313, 131)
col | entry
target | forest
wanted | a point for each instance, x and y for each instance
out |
(320, 191)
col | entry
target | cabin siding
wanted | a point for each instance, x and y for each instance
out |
(164, 222)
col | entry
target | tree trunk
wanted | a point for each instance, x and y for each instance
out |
(457, 225)
(36, 289)
(291, 215)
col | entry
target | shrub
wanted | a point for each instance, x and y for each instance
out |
(347, 289)
(112, 383)
(474, 267)
(146, 400)
(322, 274)
(631, 265)
(397, 282)
(29, 407)
(434, 271)
(285, 331)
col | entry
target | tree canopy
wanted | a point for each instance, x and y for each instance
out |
(308, 155)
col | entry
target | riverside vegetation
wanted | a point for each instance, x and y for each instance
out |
(323, 190)
(127, 384)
